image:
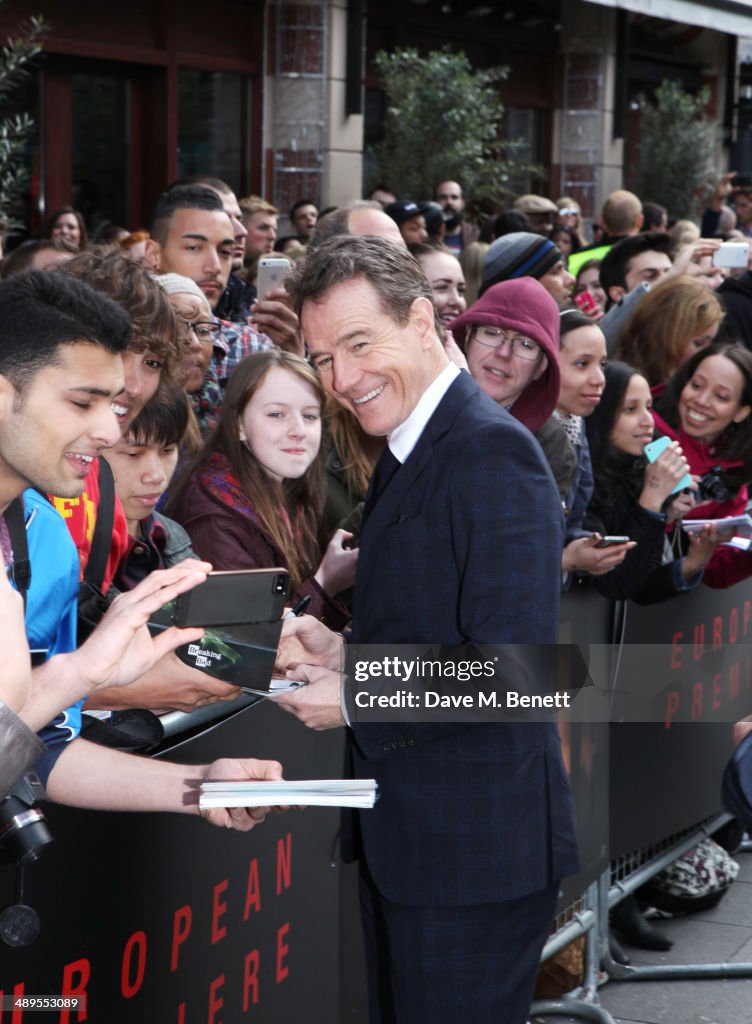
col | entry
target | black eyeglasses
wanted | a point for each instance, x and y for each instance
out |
(207, 331)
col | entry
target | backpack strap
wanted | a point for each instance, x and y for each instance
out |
(21, 568)
(102, 539)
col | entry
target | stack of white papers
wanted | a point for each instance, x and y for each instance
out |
(739, 526)
(305, 792)
(277, 684)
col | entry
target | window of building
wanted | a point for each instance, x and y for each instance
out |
(214, 125)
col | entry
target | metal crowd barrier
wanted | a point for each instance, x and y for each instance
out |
(589, 916)
(579, 918)
(629, 883)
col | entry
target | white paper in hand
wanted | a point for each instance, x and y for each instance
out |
(284, 793)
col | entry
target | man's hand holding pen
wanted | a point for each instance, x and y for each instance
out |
(312, 653)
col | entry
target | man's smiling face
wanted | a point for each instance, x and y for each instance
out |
(53, 428)
(374, 366)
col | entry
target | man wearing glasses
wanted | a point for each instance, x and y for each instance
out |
(201, 339)
(510, 338)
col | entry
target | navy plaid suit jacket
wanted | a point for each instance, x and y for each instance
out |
(463, 546)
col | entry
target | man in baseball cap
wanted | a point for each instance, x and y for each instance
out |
(409, 218)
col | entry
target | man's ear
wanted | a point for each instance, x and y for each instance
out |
(153, 254)
(616, 292)
(8, 396)
(423, 318)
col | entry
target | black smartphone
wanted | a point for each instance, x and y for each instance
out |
(239, 597)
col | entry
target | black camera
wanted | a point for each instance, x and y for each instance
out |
(23, 838)
(714, 486)
(23, 830)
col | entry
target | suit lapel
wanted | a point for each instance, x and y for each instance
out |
(386, 510)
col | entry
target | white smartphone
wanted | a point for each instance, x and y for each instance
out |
(731, 254)
(272, 271)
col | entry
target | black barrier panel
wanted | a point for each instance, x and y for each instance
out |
(667, 776)
(167, 920)
(586, 618)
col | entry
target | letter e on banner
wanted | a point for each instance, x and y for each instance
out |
(282, 950)
(218, 910)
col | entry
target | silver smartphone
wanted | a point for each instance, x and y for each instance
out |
(272, 272)
(731, 254)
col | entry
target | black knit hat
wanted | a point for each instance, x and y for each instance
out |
(519, 254)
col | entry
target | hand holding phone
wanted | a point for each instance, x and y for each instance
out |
(272, 273)
(585, 301)
(234, 598)
(657, 448)
(731, 254)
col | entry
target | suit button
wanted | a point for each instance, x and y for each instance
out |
(411, 743)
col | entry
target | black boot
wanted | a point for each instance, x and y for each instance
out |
(616, 950)
(634, 929)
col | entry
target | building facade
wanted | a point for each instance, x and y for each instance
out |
(280, 97)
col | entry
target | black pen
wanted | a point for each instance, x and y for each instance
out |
(299, 608)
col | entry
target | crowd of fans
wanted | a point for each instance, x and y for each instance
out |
(229, 450)
(527, 304)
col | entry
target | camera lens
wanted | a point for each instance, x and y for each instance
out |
(23, 830)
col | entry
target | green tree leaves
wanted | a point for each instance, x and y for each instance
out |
(16, 129)
(676, 148)
(443, 121)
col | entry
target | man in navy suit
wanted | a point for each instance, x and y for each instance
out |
(461, 544)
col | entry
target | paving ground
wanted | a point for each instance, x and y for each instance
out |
(722, 935)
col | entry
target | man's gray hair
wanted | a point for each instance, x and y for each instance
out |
(390, 269)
